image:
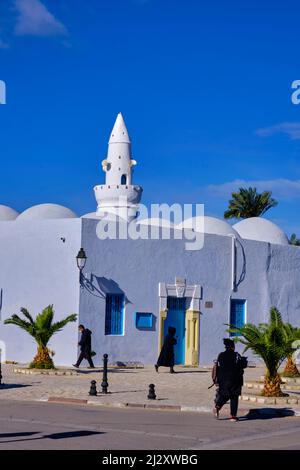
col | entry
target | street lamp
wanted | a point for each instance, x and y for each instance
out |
(81, 259)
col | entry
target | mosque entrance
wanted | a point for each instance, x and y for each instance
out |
(176, 318)
(179, 306)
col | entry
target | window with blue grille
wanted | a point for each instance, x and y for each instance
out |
(237, 314)
(114, 314)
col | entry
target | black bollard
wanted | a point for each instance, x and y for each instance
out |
(93, 389)
(1, 368)
(104, 383)
(151, 395)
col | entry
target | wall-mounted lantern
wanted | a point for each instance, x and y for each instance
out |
(81, 259)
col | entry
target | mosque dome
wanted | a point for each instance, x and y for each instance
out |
(208, 224)
(7, 213)
(260, 229)
(47, 211)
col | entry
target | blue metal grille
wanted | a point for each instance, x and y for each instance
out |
(176, 303)
(237, 314)
(114, 312)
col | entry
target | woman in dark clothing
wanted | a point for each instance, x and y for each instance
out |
(85, 344)
(167, 356)
(229, 379)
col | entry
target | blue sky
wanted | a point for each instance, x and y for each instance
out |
(205, 89)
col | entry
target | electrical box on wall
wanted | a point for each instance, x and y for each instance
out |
(144, 320)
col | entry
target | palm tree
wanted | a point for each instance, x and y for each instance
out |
(268, 341)
(294, 240)
(41, 329)
(249, 203)
(292, 334)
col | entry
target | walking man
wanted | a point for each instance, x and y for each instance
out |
(229, 379)
(167, 356)
(85, 344)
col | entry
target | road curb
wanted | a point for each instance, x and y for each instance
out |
(152, 406)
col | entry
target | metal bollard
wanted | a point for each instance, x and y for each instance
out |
(151, 394)
(93, 389)
(1, 368)
(104, 383)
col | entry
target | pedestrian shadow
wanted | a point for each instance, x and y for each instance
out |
(87, 372)
(109, 371)
(128, 391)
(54, 436)
(192, 371)
(17, 434)
(9, 386)
(267, 413)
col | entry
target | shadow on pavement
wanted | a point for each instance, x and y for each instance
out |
(17, 434)
(267, 413)
(192, 371)
(8, 386)
(60, 435)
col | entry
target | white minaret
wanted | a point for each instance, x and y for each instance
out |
(118, 195)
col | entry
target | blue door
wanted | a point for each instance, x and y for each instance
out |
(176, 318)
(237, 314)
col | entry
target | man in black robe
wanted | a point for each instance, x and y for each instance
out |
(85, 344)
(229, 379)
(167, 356)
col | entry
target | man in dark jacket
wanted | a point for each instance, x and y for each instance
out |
(229, 379)
(85, 344)
(167, 356)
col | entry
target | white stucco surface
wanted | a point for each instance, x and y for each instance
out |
(38, 268)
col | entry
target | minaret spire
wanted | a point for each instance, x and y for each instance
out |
(119, 134)
(118, 190)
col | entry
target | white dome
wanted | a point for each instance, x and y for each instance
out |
(208, 224)
(157, 222)
(257, 228)
(7, 213)
(47, 211)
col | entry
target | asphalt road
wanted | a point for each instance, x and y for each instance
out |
(34, 425)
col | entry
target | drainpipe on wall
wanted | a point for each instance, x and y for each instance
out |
(233, 262)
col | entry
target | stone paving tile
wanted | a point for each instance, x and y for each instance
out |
(188, 387)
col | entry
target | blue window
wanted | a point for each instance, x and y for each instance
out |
(114, 313)
(144, 320)
(237, 314)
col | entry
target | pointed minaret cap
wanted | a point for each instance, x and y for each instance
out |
(119, 133)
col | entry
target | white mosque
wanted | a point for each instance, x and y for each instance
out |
(131, 290)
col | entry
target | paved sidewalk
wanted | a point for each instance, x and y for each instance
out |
(188, 388)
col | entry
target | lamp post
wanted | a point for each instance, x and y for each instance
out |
(81, 261)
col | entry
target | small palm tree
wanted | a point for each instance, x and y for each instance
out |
(292, 335)
(268, 341)
(249, 203)
(41, 329)
(294, 240)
